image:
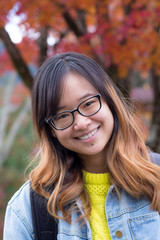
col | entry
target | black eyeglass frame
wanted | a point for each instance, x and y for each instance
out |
(49, 120)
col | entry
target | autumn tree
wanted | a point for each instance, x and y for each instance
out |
(9, 129)
(121, 35)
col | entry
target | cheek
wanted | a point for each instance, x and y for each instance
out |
(106, 114)
(62, 136)
(110, 122)
(108, 119)
(111, 125)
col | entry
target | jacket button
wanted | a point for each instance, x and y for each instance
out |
(119, 234)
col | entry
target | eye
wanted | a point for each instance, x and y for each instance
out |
(62, 116)
(88, 104)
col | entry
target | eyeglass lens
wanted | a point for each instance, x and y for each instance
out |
(87, 108)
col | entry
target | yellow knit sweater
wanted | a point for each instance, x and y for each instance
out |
(97, 186)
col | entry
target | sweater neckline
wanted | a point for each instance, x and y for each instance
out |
(96, 178)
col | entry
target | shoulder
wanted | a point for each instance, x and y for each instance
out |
(154, 157)
(23, 191)
(21, 199)
(18, 214)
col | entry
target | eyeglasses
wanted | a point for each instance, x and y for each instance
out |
(65, 119)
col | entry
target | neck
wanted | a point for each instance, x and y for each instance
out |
(94, 164)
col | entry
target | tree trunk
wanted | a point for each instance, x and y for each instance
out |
(72, 24)
(43, 45)
(16, 58)
(154, 138)
(124, 84)
(8, 133)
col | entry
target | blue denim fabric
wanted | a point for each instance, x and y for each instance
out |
(18, 219)
(131, 218)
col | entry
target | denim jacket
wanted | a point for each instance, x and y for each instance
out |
(128, 219)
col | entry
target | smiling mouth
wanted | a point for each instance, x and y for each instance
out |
(85, 137)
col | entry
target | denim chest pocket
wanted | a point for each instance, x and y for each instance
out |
(73, 232)
(146, 227)
(66, 234)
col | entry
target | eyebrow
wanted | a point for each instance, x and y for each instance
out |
(87, 95)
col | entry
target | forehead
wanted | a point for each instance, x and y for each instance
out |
(75, 88)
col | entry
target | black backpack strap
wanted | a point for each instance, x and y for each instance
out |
(44, 225)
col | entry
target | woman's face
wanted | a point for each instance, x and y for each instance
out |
(87, 136)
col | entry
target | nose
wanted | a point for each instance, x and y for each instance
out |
(80, 122)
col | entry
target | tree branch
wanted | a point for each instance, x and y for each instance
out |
(42, 43)
(62, 35)
(81, 20)
(72, 24)
(4, 116)
(16, 58)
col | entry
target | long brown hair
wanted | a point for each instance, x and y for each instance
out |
(58, 177)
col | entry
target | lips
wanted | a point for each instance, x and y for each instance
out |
(85, 137)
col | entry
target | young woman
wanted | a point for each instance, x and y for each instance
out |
(95, 171)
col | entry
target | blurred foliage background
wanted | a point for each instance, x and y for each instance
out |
(123, 36)
(18, 135)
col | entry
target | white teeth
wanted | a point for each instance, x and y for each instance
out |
(88, 135)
